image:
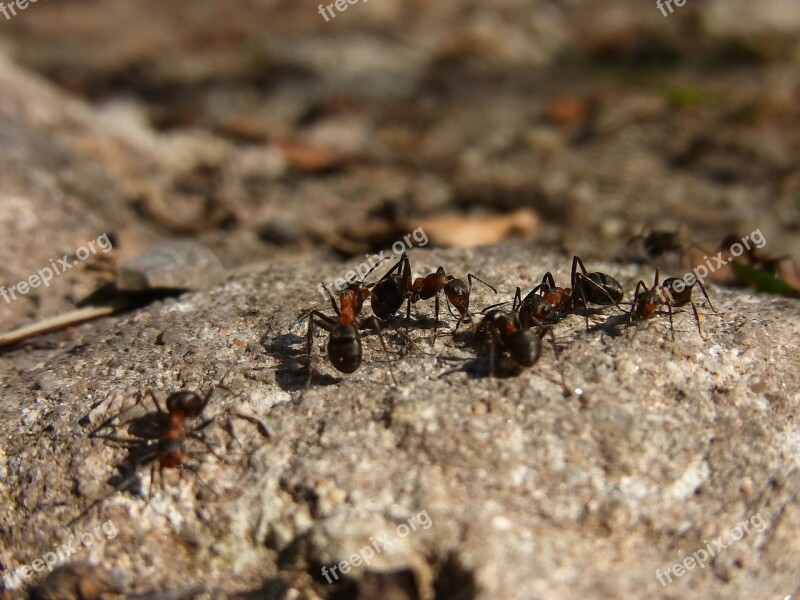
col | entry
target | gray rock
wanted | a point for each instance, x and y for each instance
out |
(181, 265)
(527, 494)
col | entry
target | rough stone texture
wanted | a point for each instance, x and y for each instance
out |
(668, 444)
(280, 142)
(181, 265)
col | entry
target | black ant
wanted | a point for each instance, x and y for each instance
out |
(593, 288)
(344, 344)
(397, 286)
(673, 292)
(501, 332)
(658, 242)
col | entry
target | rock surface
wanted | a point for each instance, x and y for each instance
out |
(661, 447)
(284, 143)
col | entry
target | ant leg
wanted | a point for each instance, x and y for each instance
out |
(697, 319)
(703, 289)
(320, 319)
(376, 324)
(332, 299)
(671, 327)
(151, 392)
(574, 271)
(470, 277)
(517, 300)
(585, 305)
(565, 391)
(435, 318)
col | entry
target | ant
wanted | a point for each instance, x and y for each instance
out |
(544, 303)
(168, 429)
(593, 288)
(344, 344)
(658, 242)
(673, 292)
(502, 330)
(397, 286)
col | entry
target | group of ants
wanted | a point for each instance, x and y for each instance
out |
(161, 438)
(511, 338)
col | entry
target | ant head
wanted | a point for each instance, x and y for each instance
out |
(457, 294)
(187, 402)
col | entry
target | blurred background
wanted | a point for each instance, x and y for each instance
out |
(262, 129)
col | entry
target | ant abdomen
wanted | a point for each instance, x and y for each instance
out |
(606, 290)
(344, 348)
(524, 346)
(387, 297)
(170, 453)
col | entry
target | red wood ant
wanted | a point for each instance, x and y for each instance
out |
(545, 303)
(502, 331)
(593, 288)
(396, 286)
(344, 343)
(673, 292)
(160, 438)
